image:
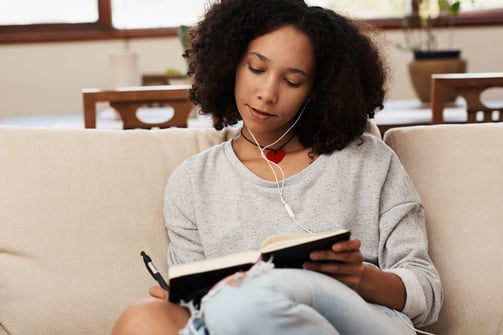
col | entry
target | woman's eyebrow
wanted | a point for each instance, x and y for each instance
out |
(259, 56)
(295, 70)
(265, 59)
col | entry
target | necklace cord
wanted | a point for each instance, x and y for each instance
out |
(266, 147)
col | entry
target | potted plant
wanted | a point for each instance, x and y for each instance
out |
(428, 57)
(175, 76)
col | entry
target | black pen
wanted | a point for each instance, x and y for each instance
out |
(153, 271)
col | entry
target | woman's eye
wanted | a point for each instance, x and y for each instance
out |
(292, 83)
(255, 70)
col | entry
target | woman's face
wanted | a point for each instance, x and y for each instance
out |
(274, 79)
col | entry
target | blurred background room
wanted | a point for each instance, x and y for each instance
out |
(50, 50)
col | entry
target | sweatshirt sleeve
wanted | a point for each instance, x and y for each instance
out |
(403, 246)
(179, 216)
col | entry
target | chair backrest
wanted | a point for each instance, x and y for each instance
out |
(457, 172)
(127, 100)
(470, 86)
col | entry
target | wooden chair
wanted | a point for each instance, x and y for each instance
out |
(154, 79)
(470, 86)
(127, 100)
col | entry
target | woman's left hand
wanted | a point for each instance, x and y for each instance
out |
(158, 292)
(343, 262)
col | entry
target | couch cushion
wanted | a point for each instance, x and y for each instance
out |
(76, 208)
(457, 170)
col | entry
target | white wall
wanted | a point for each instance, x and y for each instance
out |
(47, 78)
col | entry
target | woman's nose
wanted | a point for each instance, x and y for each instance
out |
(268, 92)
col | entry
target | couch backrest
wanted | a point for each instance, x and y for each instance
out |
(458, 171)
(76, 208)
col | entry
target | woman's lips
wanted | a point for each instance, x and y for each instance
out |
(258, 114)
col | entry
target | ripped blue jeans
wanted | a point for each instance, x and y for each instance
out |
(291, 301)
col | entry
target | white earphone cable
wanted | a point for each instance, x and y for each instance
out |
(271, 165)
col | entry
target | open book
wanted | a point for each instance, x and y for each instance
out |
(192, 280)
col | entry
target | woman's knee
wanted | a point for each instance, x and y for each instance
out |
(260, 309)
(151, 317)
(234, 308)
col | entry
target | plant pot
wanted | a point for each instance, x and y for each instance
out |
(420, 72)
(437, 54)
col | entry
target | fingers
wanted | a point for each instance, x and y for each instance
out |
(350, 274)
(346, 252)
(332, 268)
(341, 257)
(345, 246)
(343, 262)
(159, 292)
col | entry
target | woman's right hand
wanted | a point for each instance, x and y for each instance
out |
(158, 292)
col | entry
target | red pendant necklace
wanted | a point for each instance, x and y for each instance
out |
(274, 155)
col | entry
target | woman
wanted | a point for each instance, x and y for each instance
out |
(304, 81)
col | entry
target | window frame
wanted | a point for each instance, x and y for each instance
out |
(103, 28)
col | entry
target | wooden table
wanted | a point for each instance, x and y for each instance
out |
(470, 86)
(127, 100)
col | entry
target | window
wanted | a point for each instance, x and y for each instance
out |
(367, 9)
(53, 20)
(385, 9)
(134, 14)
(21, 12)
(470, 6)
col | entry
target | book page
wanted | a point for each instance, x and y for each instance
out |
(243, 257)
(280, 241)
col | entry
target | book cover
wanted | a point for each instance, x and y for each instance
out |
(295, 253)
(191, 281)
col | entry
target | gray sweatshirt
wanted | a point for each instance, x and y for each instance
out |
(215, 206)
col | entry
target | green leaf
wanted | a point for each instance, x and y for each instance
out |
(183, 35)
(450, 7)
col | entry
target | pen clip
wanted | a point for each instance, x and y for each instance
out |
(148, 263)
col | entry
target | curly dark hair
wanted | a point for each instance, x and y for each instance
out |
(350, 74)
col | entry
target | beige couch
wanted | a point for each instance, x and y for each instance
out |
(78, 206)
